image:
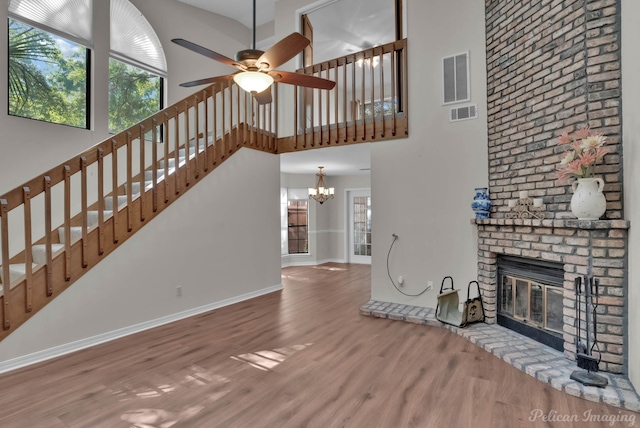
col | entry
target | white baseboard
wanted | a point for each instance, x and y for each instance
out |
(311, 262)
(57, 351)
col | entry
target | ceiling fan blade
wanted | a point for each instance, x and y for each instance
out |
(282, 51)
(302, 80)
(263, 97)
(206, 52)
(207, 81)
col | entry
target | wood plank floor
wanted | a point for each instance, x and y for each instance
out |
(302, 357)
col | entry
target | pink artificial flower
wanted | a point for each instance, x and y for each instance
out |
(564, 138)
(583, 133)
(587, 159)
(601, 151)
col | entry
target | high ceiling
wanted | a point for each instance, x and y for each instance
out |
(339, 28)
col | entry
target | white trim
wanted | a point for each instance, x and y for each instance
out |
(58, 351)
(317, 232)
(312, 262)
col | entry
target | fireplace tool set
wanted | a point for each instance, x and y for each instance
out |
(584, 351)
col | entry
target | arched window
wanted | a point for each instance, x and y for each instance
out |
(137, 67)
(49, 57)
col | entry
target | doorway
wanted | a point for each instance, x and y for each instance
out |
(358, 241)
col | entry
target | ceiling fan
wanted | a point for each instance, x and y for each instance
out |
(257, 68)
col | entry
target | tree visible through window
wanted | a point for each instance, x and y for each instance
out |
(134, 94)
(47, 76)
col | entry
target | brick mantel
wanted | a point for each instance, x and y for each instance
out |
(594, 248)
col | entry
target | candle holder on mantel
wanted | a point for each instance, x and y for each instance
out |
(525, 207)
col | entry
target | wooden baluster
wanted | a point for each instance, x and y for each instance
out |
(373, 95)
(205, 157)
(232, 140)
(100, 201)
(264, 124)
(344, 100)
(275, 117)
(312, 92)
(6, 284)
(130, 184)
(196, 114)
(176, 145)
(328, 115)
(238, 142)
(165, 132)
(354, 106)
(295, 117)
(382, 82)
(215, 126)
(28, 254)
(245, 126)
(67, 222)
(223, 99)
(362, 99)
(336, 97)
(305, 103)
(405, 91)
(320, 109)
(142, 179)
(114, 189)
(84, 208)
(48, 234)
(154, 163)
(394, 82)
(270, 126)
(187, 145)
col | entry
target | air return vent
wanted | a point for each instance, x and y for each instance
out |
(464, 113)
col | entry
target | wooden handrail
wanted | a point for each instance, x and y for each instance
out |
(327, 118)
(190, 152)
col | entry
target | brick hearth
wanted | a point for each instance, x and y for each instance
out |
(584, 248)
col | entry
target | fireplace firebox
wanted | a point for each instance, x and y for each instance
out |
(530, 299)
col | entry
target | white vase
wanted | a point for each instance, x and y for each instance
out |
(588, 201)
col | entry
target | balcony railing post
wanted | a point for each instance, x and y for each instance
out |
(6, 273)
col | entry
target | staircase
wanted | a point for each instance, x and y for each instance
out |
(100, 198)
(85, 208)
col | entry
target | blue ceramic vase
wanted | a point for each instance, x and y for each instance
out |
(481, 204)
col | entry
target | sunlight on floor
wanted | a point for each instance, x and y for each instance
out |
(267, 360)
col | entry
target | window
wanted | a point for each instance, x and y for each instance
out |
(134, 94)
(48, 77)
(136, 67)
(298, 236)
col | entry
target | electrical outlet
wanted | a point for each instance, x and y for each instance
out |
(179, 291)
(429, 285)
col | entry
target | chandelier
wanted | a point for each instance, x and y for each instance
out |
(321, 193)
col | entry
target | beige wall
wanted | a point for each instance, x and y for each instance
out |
(631, 152)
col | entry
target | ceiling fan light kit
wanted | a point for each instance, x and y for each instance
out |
(253, 81)
(257, 69)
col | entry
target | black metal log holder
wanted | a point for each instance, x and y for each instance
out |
(584, 351)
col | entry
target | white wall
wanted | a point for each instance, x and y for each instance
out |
(327, 228)
(631, 151)
(423, 186)
(201, 242)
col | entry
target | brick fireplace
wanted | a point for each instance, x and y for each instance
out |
(554, 66)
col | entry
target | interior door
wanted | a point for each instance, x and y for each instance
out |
(359, 228)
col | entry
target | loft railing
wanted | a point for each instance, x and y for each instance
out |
(99, 198)
(368, 103)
